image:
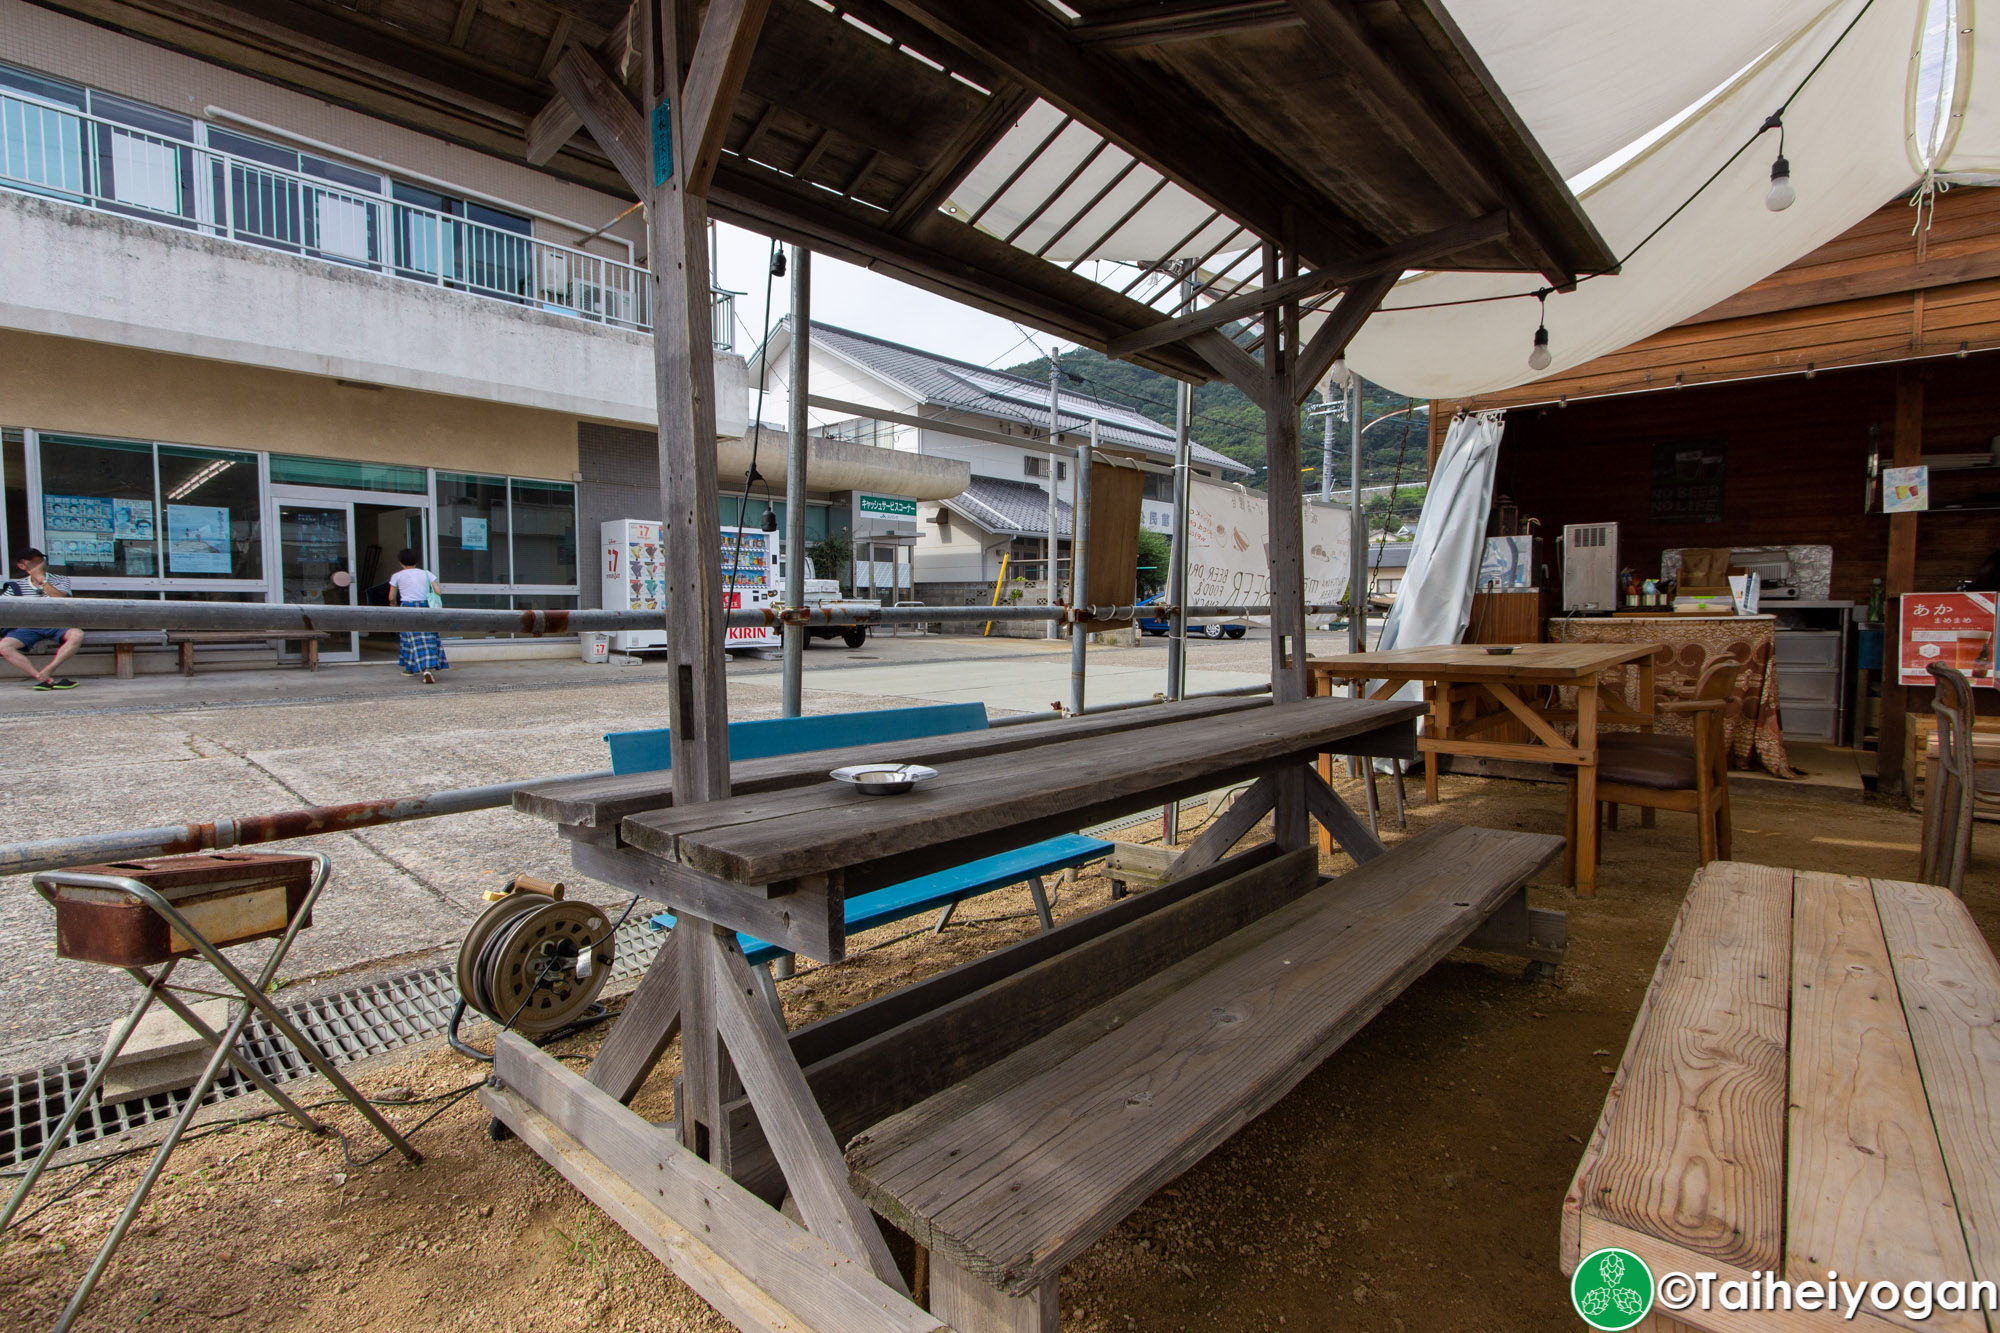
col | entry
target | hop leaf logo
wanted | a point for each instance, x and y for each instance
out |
(1612, 1290)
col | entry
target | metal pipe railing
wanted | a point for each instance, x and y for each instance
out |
(251, 618)
(23, 858)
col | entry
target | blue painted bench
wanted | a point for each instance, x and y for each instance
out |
(766, 738)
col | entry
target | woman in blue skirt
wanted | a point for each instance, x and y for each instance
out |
(420, 651)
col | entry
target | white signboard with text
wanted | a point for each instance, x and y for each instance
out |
(1229, 562)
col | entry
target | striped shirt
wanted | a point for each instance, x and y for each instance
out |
(25, 586)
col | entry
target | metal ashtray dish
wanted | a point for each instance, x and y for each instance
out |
(1500, 650)
(883, 779)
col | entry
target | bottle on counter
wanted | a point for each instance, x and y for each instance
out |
(1878, 603)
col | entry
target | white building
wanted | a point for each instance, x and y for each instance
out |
(882, 393)
(232, 305)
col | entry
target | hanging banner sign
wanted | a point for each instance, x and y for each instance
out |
(1229, 561)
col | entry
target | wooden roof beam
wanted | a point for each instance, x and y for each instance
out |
(1178, 21)
(938, 254)
(1391, 260)
(714, 80)
(601, 104)
(1211, 160)
(553, 127)
(1339, 328)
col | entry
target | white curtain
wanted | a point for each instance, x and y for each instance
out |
(1434, 601)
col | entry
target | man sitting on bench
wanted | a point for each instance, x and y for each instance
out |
(16, 644)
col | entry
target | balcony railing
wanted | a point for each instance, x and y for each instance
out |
(58, 152)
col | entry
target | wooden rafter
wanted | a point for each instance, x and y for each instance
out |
(1435, 246)
(1211, 161)
(715, 77)
(1183, 20)
(1330, 339)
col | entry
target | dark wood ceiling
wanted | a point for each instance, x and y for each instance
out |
(1347, 125)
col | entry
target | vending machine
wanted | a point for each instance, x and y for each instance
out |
(632, 563)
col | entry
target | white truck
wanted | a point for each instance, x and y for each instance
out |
(819, 592)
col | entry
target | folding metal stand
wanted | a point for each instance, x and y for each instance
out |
(223, 1045)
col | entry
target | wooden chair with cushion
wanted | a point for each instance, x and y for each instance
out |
(1686, 773)
(1957, 785)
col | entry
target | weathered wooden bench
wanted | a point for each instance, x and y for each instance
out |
(1812, 1084)
(186, 641)
(1007, 1176)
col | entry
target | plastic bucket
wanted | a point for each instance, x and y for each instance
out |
(595, 647)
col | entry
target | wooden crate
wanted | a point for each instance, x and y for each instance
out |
(1920, 747)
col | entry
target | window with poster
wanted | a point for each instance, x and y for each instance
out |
(127, 515)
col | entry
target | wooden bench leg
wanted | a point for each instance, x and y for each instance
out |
(969, 1305)
(1374, 801)
(312, 654)
(944, 918)
(187, 659)
(784, 967)
(121, 660)
(1040, 893)
(1541, 937)
(1402, 811)
(768, 986)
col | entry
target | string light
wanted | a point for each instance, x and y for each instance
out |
(1782, 195)
(1539, 358)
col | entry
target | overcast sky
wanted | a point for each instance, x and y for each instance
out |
(866, 302)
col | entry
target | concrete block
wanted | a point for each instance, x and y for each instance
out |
(163, 1054)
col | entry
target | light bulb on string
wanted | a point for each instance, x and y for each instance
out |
(1539, 358)
(1782, 195)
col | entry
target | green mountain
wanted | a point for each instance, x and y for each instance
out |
(1224, 420)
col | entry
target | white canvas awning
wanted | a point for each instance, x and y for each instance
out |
(1870, 107)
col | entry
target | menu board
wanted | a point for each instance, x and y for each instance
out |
(1954, 629)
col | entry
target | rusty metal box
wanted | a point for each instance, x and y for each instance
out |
(230, 897)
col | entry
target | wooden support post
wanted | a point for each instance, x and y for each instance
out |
(650, 1020)
(973, 1305)
(1355, 838)
(1908, 444)
(790, 1118)
(1286, 546)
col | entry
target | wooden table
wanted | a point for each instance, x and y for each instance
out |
(1812, 1083)
(1473, 693)
(776, 861)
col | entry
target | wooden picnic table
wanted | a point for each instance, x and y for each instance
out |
(1812, 1084)
(1216, 992)
(1473, 693)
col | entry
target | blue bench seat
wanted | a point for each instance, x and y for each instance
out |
(945, 889)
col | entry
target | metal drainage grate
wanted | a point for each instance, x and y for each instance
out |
(350, 1025)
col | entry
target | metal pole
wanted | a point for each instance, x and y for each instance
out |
(791, 703)
(1357, 537)
(1079, 551)
(1055, 427)
(1177, 561)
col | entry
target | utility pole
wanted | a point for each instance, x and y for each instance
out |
(1055, 427)
(1326, 451)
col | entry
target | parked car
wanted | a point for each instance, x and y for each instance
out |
(1209, 629)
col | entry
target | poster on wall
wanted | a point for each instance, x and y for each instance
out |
(67, 552)
(197, 539)
(1687, 481)
(132, 520)
(1954, 629)
(1906, 490)
(472, 534)
(76, 513)
(1228, 564)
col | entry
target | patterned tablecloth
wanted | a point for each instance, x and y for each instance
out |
(1688, 645)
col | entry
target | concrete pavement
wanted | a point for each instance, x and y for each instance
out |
(165, 749)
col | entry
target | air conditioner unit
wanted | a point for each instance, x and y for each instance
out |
(1590, 567)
